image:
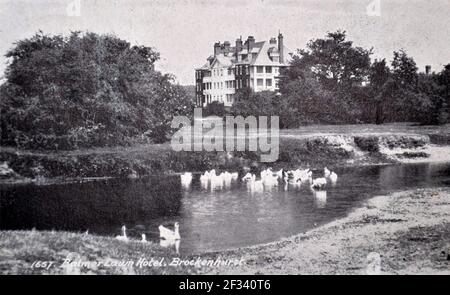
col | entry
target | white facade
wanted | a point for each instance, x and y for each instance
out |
(219, 84)
(264, 78)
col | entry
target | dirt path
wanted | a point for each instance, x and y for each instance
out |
(409, 230)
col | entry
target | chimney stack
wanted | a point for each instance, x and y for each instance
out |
(238, 45)
(281, 47)
(226, 47)
(216, 48)
(250, 42)
(427, 69)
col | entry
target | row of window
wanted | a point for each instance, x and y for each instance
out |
(239, 70)
(243, 69)
(218, 85)
(260, 83)
(210, 98)
(220, 72)
(238, 84)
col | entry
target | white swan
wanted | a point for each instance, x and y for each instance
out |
(204, 177)
(167, 234)
(300, 175)
(186, 179)
(249, 176)
(270, 180)
(319, 183)
(326, 172)
(144, 238)
(333, 177)
(123, 236)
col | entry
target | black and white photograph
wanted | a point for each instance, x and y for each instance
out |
(225, 137)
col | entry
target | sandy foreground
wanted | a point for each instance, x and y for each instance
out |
(410, 231)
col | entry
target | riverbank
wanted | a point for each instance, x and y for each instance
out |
(311, 146)
(409, 230)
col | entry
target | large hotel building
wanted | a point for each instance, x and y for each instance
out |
(247, 64)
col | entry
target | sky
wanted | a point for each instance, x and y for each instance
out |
(184, 31)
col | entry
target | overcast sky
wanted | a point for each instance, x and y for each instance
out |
(184, 31)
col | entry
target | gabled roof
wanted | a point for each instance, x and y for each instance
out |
(264, 50)
(264, 59)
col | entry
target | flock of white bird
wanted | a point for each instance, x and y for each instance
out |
(167, 236)
(267, 179)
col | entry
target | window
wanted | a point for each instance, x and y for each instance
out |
(269, 70)
(269, 82)
(221, 72)
(259, 82)
(260, 69)
(275, 70)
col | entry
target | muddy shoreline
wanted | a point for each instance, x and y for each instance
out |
(410, 230)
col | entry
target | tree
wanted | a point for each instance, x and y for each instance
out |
(324, 81)
(334, 61)
(404, 69)
(380, 85)
(215, 108)
(85, 90)
(407, 101)
(444, 81)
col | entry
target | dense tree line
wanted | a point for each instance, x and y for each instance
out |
(85, 90)
(88, 90)
(334, 81)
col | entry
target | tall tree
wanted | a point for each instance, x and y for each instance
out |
(380, 88)
(335, 61)
(327, 79)
(84, 90)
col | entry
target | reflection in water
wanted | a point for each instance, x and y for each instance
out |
(320, 198)
(213, 215)
(102, 206)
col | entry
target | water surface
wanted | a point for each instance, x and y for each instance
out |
(217, 218)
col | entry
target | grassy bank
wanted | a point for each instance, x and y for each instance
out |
(410, 230)
(20, 249)
(310, 146)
